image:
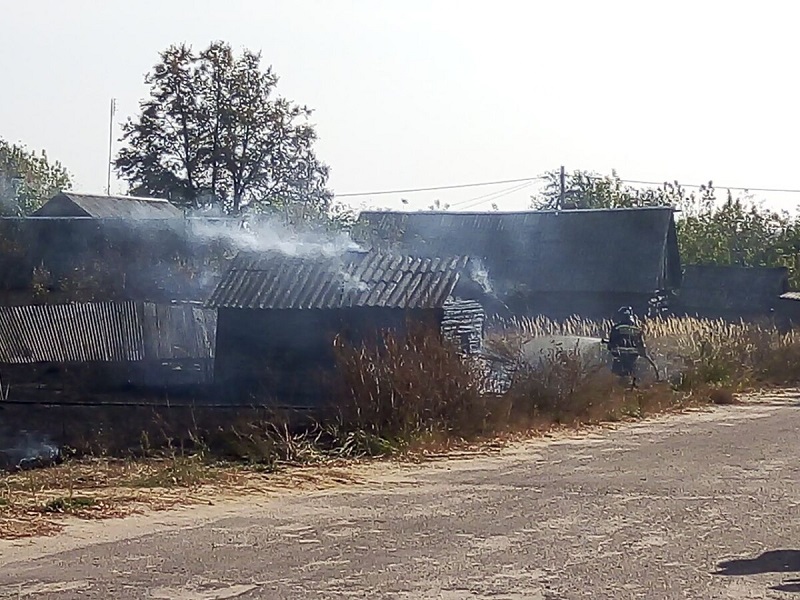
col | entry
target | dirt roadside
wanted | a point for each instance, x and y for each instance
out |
(46, 501)
(375, 477)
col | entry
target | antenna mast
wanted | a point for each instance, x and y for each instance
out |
(110, 141)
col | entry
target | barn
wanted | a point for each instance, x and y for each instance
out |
(731, 293)
(552, 263)
(279, 315)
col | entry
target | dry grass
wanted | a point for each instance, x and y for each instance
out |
(406, 387)
(693, 352)
(416, 391)
(39, 502)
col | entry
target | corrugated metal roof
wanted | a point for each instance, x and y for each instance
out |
(107, 207)
(105, 331)
(353, 279)
(616, 250)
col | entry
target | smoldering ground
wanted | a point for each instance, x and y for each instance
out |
(21, 450)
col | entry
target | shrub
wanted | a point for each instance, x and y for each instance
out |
(408, 385)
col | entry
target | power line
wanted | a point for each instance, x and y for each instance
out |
(495, 196)
(439, 187)
(491, 195)
(541, 177)
(703, 185)
(133, 404)
(721, 187)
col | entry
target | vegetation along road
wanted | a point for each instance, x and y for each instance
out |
(700, 505)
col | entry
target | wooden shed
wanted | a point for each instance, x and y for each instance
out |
(279, 315)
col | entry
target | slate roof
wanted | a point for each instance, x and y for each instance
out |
(727, 287)
(70, 204)
(277, 281)
(614, 250)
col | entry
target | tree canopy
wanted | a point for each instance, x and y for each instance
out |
(28, 179)
(711, 229)
(585, 189)
(214, 133)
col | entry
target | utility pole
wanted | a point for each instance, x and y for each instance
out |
(110, 141)
(561, 190)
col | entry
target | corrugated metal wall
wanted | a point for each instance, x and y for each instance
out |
(97, 332)
(138, 342)
(105, 332)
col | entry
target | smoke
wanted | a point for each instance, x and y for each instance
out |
(480, 275)
(185, 260)
(28, 450)
(351, 283)
(271, 235)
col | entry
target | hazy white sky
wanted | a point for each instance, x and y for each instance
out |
(415, 93)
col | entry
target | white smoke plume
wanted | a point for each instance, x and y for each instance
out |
(274, 236)
(271, 235)
(351, 283)
(480, 275)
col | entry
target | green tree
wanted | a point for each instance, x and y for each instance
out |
(585, 189)
(740, 231)
(28, 179)
(213, 132)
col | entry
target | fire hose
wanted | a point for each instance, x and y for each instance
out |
(652, 364)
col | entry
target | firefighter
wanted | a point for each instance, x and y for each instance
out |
(626, 344)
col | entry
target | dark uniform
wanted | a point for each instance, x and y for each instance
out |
(626, 343)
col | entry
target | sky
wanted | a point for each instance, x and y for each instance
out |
(414, 93)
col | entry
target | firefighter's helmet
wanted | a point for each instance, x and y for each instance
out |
(625, 314)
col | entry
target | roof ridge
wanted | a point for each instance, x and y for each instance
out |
(518, 212)
(117, 197)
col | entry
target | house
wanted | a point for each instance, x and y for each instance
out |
(71, 204)
(731, 292)
(279, 315)
(103, 346)
(552, 263)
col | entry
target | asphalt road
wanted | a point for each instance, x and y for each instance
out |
(703, 505)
